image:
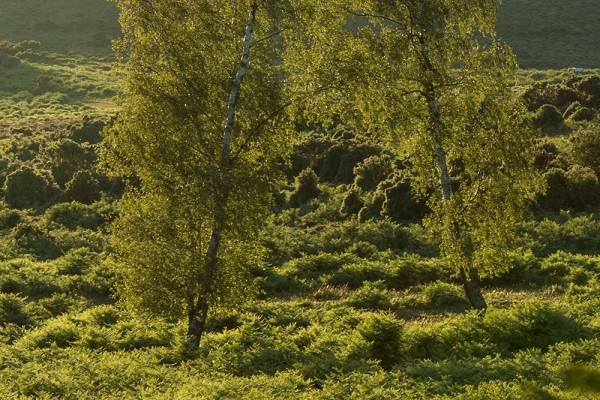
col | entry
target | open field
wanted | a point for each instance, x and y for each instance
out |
(349, 304)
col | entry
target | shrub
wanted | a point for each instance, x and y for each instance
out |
(13, 310)
(571, 109)
(306, 188)
(583, 187)
(58, 304)
(545, 153)
(354, 275)
(586, 148)
(72, 216)
(84, 188)
(9, 218)
(584, 114)
(440, 294)
(384, 333)
(27, 187)
(312, 266)
(352, 203)
(66, 157)
(10, 62)
(398, 202)
(60, 332)
(371, 171)
(371, 296)
(548, 116)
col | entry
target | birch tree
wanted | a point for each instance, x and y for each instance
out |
(201, 129)
(431, 79)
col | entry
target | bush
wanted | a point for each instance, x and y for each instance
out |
(72, 216)
(352, 203)
(545, 154)
(9, 218)
(441, 294)
(384, 333)
(583, 187)
(398, 202)
(371, 171)
(27, 187)
(306, 188)
(576, 189)
(371, 296)
(584, 114)
(571, 109)
(66, 157)
(548, 116)
(60, 332)
(84, 188)
(13, 310)
(586, 148)
(10, 62)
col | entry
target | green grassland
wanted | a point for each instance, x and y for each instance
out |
(61, 57)
(552, 34)
(353, 300)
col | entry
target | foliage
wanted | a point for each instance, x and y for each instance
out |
(305, 188)
(548, 116)
(27, 187)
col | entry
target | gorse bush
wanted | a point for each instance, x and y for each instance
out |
(13, 310)
(371, 296)
(27, 187)
(441, 294)
(384, 334)
(306, 188)
(548, 116)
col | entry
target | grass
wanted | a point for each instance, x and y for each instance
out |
(552, 34)
(341, 314)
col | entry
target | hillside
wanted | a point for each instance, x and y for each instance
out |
(552, 34)
(352, 299)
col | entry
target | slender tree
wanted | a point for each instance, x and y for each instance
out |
(201, 129)
(431, 78)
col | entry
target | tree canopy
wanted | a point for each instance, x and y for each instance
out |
(433, 81)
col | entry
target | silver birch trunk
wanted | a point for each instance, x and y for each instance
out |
(199, 311)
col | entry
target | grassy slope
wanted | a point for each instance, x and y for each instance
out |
(305, 346)
(548, 34)
(74, 52)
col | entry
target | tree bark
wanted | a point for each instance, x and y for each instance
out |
(468, 275)
(197, 318)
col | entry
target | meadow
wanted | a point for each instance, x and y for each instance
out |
(352, 300)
